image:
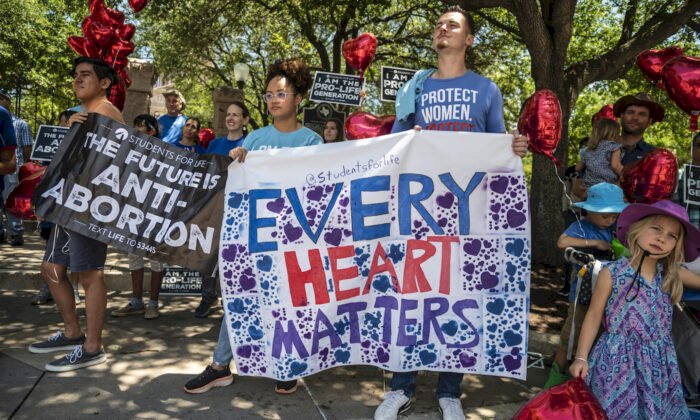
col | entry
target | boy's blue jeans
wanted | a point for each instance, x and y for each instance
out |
(448, 385)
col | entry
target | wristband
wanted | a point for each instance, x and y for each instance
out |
(581, 359)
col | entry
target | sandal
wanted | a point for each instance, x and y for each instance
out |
(286, 387)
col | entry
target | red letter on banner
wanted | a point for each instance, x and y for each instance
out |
(413, 275)
(298, 278)
(377, 268)
(445, 263)
(340, 274)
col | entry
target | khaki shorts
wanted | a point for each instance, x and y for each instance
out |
(136, 263)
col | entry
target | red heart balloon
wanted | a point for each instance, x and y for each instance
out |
(605, 113)
(651, 179)
(121, 49)
(572, 400)
(91, 48)
(95, 4)
(126, 32)
(363, 125)
(117, 94)
(77, 44)
(205, 136)
(651, 62)
(86, 24)
(116, 63)
(108, 17)
(540, 121)
(102, 35)
(137, 5)
(681, 78)
(124, 76)
(18, 203)
(359, 52)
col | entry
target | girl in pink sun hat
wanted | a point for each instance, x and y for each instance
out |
(633, 370)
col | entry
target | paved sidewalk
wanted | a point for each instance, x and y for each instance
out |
(150, 361)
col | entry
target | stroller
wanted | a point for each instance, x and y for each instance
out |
(686, 338)
(590, 261)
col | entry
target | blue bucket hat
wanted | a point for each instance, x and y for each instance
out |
(604, 198)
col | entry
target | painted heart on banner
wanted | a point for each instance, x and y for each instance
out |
(363, 125)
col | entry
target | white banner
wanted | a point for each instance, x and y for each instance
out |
(406, 252)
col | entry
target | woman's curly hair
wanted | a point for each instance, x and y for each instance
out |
(294, 70)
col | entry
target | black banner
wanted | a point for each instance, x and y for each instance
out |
(136, 193)
(48, 139)
(181, 281)
(334, 88)
(393, 78)
(691, 186)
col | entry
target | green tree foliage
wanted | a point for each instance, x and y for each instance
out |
(35, 56)
(583, 50)
(202, 39)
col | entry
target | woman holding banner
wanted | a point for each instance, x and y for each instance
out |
(287, 82)
(237, 118)
(190, 135)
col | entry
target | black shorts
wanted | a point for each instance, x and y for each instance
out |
(75, 251)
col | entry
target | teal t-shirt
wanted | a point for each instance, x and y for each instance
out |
(270, 138)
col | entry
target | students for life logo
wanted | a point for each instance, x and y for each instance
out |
(121, 133)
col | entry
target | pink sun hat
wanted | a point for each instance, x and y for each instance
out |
(637, 211)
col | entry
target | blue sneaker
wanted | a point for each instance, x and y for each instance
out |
(77, 359)
(57, 342)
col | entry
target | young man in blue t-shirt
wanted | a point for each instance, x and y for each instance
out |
(449, 98)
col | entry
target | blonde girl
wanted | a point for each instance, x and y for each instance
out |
(602, 159)
(633, 370)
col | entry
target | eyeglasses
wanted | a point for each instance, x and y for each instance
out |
(145, 125)
(279, 95)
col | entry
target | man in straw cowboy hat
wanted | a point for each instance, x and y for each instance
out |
(636, 113)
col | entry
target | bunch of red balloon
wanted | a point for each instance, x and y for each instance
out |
(678, 74)
(359, 53)
(106, 36)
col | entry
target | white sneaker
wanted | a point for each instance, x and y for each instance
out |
(395, 402)
(451, 408)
